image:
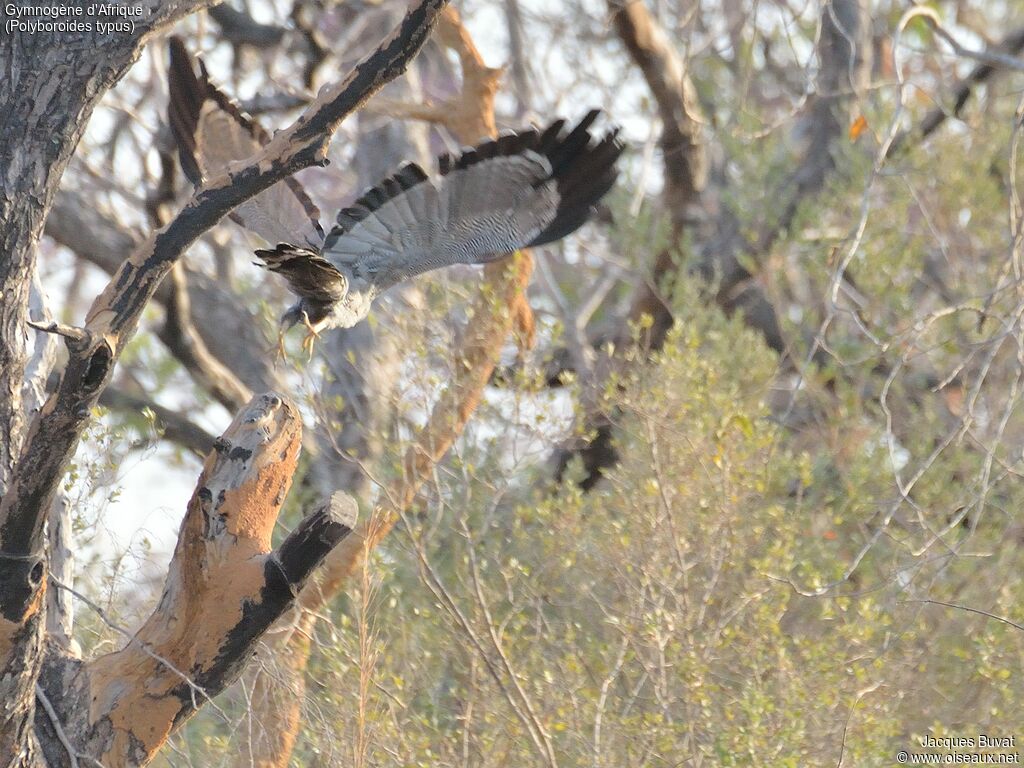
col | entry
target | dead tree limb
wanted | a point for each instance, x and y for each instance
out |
(224, 588)
(52, 82)
(682, 145)
(226, 326)
(242, 29)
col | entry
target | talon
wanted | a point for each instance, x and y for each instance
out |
(280, 353)
(311, 337)
(309, 326)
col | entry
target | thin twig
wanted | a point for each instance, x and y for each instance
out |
(57, 727)
(969, 609)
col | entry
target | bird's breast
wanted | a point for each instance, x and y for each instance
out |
(352, 309)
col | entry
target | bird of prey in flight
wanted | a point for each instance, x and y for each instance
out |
(522, 189)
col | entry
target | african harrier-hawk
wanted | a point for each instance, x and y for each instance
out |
(522, 189)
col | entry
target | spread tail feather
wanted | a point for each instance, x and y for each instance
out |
(583, 174)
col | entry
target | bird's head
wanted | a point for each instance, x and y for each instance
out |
(293, 316)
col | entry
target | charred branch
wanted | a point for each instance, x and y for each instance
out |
(223, 577)
(115, 313)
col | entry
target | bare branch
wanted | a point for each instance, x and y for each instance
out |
(185, 343)
(242, 29)
(174, 426)
(224, 576)
(52, 100)
(1012, 45)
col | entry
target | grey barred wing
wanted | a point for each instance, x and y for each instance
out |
(521, 189)
(212, 132)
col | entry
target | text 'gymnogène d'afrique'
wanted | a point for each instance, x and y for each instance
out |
(99, 17)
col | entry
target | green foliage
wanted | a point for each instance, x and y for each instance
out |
(659, 620)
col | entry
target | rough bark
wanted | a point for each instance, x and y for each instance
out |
(224, 588)
(59, 608)
(52, 87)
(51, 84)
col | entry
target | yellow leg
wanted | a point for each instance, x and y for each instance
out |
(280, 354)
(311, 337)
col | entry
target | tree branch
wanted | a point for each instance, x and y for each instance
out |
(242, 29)
(1011, 45)
(173, 425)
(185, 343)
(223, 577)
(684, 157)
(683, 149)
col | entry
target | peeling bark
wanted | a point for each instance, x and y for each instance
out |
(224, 588)
(49, 90)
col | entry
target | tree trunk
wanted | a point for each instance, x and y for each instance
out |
(53, 81)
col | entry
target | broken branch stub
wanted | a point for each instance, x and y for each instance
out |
(224, 588)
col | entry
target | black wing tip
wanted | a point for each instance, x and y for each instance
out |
(186, 94)
(553, 142)
(584, 171)
(189, 91)
(177, 48)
